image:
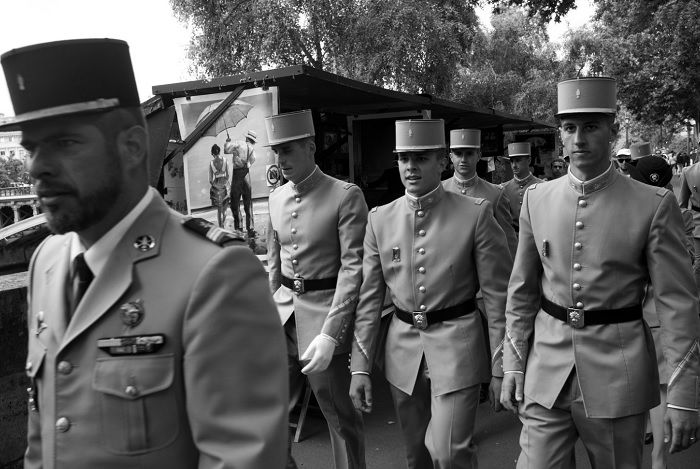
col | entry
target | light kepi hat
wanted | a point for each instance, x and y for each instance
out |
(68, 77)
(465, 138)
(289, 126)
(640, 150)
(519, 149)
(419, 135)
(586, 96)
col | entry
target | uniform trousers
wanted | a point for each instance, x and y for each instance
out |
(437, 430)
(548, 436)
(331, 388)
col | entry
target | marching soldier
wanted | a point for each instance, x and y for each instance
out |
(145, 326)
(519, 155)
(579, 360)
(315, 259)
(465, 152)
(433, 263)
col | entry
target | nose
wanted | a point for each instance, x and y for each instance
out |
(38, 164)
(578, 137)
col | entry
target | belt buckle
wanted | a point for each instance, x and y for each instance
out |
(420, 320)
(575, 318)
(298, 285)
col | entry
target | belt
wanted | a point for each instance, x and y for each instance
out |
(423, 319)
(695, 209)
(578, 318)
(301, 285)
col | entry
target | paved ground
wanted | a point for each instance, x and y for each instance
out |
(497, 436)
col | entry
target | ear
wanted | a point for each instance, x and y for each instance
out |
(132, 144)
(442, 160)
(312, 146)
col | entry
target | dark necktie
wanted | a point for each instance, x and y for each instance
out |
(80, 281)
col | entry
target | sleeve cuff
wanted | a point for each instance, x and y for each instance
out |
(514, 371)
(359, 373)
(329, 338)
(671, 406)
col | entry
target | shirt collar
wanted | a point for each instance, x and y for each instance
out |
(97, 256)
(465, 182)
(597, 183)
(309, 182)
(426, 201)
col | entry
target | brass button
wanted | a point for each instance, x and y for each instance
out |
(578, 246)
(62, 424)
(40, 316)
(463, 191)
(423, 307)
(577, 266)
(297, 199)
(420, 213)
(577, 286)
(294, 231)
(131, 391)
(295, 214)
(296, 275)
(295, 246)
(579, 224)
(421, 270)
(64, 367)
(421, 233)
(421, 251)
(295, 262)
(582, 203)
(579, 305)
(421, 289)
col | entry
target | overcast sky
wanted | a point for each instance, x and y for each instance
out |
(157, 40)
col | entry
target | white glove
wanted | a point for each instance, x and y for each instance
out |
(320, 352)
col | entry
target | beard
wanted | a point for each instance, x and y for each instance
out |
(83, 210)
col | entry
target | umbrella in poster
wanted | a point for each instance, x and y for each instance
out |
(235, 113)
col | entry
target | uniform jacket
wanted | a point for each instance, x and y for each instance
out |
(430, 260)
(690, 185)
(477, 187)
(211, 397)
(318, 226)
(606, 239)
(514, 190)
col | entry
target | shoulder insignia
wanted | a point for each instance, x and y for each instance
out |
(212, 232)
(661, 191)
(374, 209)
(533, 186)
(347, 185)
(478, 200)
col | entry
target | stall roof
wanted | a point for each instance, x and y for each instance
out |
(306, 87)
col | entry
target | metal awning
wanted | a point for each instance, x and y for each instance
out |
(305, 87)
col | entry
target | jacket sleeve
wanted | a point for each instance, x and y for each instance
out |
(352, 219)
(236, 390)
(493, 264)
(369, 309)
(273, 257)
(675, 295)
(503, 217)
(685, 191)
(523, 294)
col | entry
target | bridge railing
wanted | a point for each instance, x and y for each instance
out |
(13, 191)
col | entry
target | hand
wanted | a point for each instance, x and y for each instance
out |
(361, 393)
(680, 429)
(495, 393)
(512, 391)
(320, 354)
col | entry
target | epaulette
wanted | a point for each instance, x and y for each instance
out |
(478, 200)
(212, 232)
(661, 191)
(533, 186)
(374, 209)
(348, 185)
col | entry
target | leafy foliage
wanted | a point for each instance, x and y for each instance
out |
(12, 170)
(546, 9)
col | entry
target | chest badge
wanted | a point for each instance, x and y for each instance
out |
(395, 254)
(145, 243)
(132, 313)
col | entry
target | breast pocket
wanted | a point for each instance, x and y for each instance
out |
(138, 405)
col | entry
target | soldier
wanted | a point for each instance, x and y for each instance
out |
(582, 365)
(465, 153)
(520, 157)
(145, 330)
(315, 259)
(690, 198)
(558, 167)
(433, 263)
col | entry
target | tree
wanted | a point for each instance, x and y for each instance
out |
(384, 42)
(546, 9)
(12, 170)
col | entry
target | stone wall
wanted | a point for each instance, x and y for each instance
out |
(13, 381)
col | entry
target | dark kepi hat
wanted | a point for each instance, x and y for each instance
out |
(653, 170)
(640, 150)
(68, 77)
(587, 96)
